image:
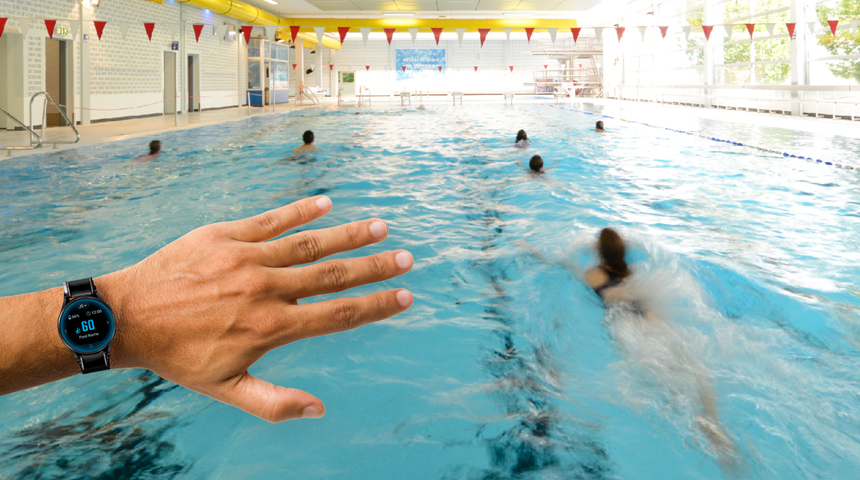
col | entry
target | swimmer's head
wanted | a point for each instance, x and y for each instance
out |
(599, 125)
(308, 137)
(154, 147)
(536, 163)
(611, 249)
(521, 135)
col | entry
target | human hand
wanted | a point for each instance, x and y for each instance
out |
(204, 308)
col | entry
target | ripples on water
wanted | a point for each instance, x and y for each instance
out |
(507, 366)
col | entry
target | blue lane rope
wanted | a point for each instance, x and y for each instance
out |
(715, 139)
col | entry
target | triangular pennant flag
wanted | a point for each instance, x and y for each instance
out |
(730, 29)
(833, 25)
(663, 31)
(198, 29)
(811, 26)
(552, 33)
(545, 67)
(508, 33)
(221, 31)
(512, 68)
(50, 24)
(790, 27)
(294, 30)
(173, 28)
(271, 33)
(389, 34)
(414, 33)
(476, 68)
(575, 32)
(460, 32)
(73, 28)
(403, 67)
(294, 66)
(686, 29)
(770, 27)
(854, 24)
(642, 31)
(342, 31)
(246, 31)
(620, 32)
(2, 25)
(123, 29)
(149, 28)
(440, 68)
(750, 28)
(707, 29)
(365, 32)
(529, 32)
(483, 33)
(598, 32)
(367, 67)
(330, 67)
(320, 31)
(437, 32)
(25, 26)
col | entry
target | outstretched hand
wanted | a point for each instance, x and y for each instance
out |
(200, 311)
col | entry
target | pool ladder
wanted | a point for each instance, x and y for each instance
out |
(36, 140)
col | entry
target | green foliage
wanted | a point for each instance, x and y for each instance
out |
(761, 50)
(846, 41)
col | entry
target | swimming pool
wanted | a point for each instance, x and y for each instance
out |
(507, 365)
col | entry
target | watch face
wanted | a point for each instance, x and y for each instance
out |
(87, 325)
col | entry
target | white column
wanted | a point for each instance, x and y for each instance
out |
(318, 68)
(300, 65)
(333, 73)
(85, 71)
(183, 64)
(797, 14)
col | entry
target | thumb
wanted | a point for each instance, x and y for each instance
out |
(269, 402)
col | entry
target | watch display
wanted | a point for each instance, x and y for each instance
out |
(86, 325)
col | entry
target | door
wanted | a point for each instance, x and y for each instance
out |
(55, 79)
(11, 81)
(347, 81)
(169, 83)
(193, 83)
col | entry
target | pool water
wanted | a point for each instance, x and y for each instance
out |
(507, 365)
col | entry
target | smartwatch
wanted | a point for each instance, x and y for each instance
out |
(86, 325)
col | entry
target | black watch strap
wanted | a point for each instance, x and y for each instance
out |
(95, 362)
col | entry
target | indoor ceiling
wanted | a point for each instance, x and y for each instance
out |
(483, 8)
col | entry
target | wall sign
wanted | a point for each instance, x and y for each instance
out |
(62, 31)
(412, 63)
(174, 45)
(86, 38)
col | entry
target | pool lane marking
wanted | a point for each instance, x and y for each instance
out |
(715, 139)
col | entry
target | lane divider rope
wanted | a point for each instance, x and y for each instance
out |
(739, 144)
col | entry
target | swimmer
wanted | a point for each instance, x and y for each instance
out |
(535, 165)
(522, 139)
(154, 150)
(308, 138)
(420, 107)
(599, 126)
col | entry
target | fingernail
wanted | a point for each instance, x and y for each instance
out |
(378, 228)
(404, 298)
(403, 259)
(324, 203)
(314, 411)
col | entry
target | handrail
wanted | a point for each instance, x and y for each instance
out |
(340, 96)
(50, 97)
(311, 95)
(19, 122)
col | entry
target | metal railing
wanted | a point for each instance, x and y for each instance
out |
(32, 133)
(310, 94)
(363, 96)
(340, 97)
(50, 97)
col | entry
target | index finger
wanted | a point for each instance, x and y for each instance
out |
(268, 225)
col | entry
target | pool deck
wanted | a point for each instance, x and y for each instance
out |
(671, 116)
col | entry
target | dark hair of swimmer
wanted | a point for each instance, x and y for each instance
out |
(521, 135)
(536, 163)
(308, 137)
(599, 125)
(611, 249)
(154, 147)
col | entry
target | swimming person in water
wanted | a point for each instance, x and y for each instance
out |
(535, 165)
(522, 139)
(154, 150)
(599, 126)
(308, 138)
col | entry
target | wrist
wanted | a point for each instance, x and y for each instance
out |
(114, 289)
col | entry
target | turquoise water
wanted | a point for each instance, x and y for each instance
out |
(507, 365)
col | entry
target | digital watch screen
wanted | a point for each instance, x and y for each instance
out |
(87, 325)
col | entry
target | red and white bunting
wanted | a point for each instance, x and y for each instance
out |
(575, 32)
(483, 33)
(342, 31)
(552, 33)
(100, 28)
(598, 32)
(730, 29)
(271, 33)
(365, 32)
(460, 32)
(620, 32)
(367, 67)
(414, 33)
(663, 31)
(246, 31)
(770, 27)
(149, 28)
(707, 29)
(854, 24)
(2, 25)
(50, 24)
(294, 66)
(476, 68)
(198, 29)
(529, 32)
(221, 32)
(330, 67)
(508, 33)
(790, 27)
(440, 68)
(320, 32)
(173, 29)
(512, 68)
(294, 30)
(686, 29)
(545, 67)
(123, 29)
(750, 28)
(833, 24)
(812, 26)
(437, 32)
(73, 28)
(389, 34)
(642, 31)
(403, 67)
